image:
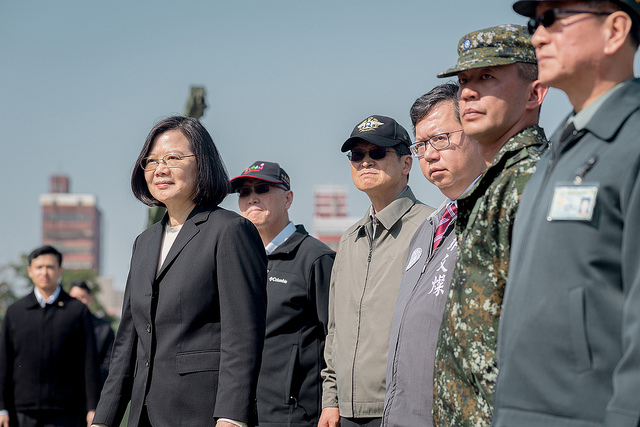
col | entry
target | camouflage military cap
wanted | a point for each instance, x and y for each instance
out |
(528, 7)
(501, 45)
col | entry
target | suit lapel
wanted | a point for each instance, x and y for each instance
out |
(188, 232)
(153, 242)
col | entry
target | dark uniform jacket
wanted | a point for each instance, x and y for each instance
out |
(190, 339)
(104, 343)
(47, 357)
(569, 343)
(289, 385)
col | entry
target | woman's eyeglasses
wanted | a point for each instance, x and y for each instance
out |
(170, 161)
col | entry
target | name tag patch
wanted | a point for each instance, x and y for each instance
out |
(573, 202)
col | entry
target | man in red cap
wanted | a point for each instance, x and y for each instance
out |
(299, 270)
(569, 340)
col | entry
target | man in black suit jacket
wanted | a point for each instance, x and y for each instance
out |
(101, 328)
(48, 366)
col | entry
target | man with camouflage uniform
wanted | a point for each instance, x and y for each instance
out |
(499, 100)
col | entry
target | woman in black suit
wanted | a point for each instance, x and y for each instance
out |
(188, 349)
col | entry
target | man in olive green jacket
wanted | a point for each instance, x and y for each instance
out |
(366, 275)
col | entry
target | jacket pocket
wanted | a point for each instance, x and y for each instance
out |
(197, 361)
(579, 336)
(291, 367)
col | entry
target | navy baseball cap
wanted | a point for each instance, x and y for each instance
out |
(382, 131)
(528, 7)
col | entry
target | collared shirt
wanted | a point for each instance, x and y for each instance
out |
(372, 213)
(42, 300)
(282, 237)
(581, 119)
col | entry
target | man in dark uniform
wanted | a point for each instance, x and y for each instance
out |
(299, 270)
(569, 340)
(101, 328)
(48, 367)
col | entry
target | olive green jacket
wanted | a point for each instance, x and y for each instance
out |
(364, 284)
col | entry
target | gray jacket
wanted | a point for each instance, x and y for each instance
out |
(569, 341)
(364, 285)
(416, 323)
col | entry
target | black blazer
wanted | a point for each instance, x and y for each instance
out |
(48, 357)
(104, 344)
(190, 340)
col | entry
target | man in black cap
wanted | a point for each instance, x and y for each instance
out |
(569, 341)
(366, 274)
(299, 270)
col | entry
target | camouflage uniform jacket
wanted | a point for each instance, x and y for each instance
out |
(466, 367)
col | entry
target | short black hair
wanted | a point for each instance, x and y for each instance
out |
(45, 250)
(80, 284)
(446, 92)
(213, 180)
(402, 150)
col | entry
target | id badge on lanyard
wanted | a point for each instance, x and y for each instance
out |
(575, 201)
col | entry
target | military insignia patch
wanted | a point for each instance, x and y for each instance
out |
(253, 168)
(369, 124)
(466, 44)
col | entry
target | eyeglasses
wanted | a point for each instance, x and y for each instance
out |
(170, 161)
(548, 18)
(374, 154)
(438, 142)
(246, 190)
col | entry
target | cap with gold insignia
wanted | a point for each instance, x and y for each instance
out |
(528, 7)
(379, 130)
(501, 45)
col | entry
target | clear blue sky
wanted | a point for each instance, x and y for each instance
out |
(82, 83)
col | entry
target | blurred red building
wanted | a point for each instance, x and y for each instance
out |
(330, 218)
(71, 223)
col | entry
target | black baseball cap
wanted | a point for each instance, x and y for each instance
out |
(528, 7)
(264, 171)
(382, 131)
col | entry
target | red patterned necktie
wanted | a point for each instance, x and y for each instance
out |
(447, 218)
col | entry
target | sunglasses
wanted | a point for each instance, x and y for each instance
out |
(246, 190)
(374, 154)
(549, 17)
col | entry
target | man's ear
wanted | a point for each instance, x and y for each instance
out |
(288, 199)
(537, 93)
(617, 26)
(406, 166)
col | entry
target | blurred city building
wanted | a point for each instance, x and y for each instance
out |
(71, 223)
(330, 218)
